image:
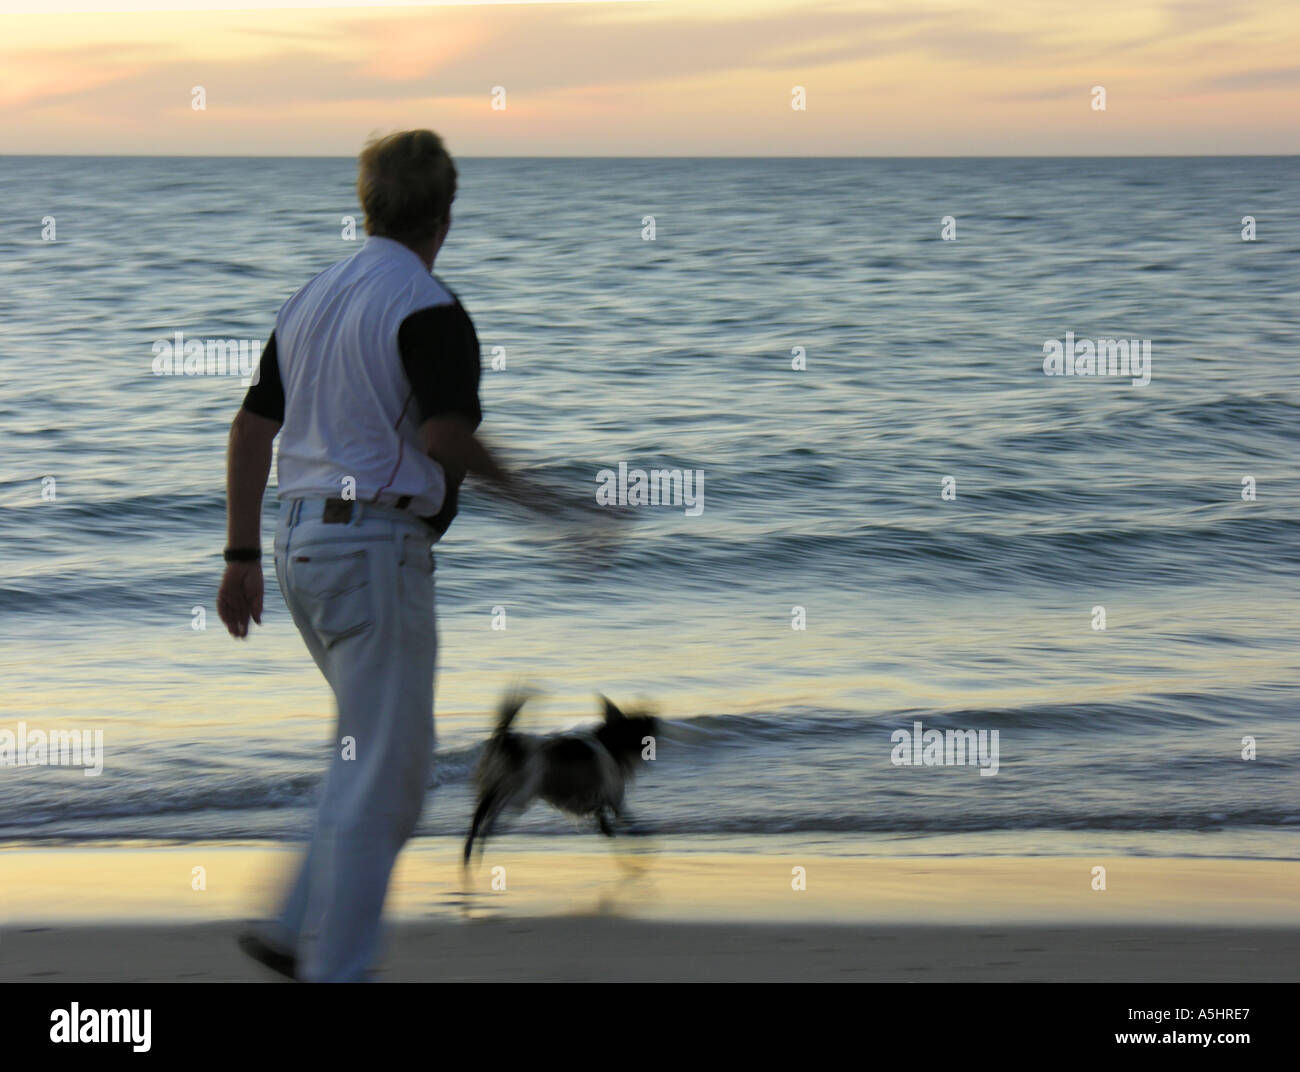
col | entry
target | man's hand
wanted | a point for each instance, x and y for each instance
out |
(240, 597)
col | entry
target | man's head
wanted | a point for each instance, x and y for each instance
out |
(406, 183)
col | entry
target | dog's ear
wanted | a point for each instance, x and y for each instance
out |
(612, 713)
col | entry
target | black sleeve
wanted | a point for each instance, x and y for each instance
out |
(439, 349)
(266, 396)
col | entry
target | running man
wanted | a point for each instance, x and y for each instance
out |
(371, 380)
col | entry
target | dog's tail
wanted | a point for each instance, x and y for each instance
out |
(510, 706)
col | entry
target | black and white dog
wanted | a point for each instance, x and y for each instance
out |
(584, 774)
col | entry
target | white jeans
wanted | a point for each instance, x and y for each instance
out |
(362, 595)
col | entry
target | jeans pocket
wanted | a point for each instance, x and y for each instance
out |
(333, 589)
(417, 555)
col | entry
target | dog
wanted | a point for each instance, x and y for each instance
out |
(583, 774)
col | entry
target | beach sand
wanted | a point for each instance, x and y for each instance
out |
(596, 949)
(132, 913)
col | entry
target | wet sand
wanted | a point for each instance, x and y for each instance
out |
(133, 913)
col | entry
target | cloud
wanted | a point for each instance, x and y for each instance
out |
(1274, 78)
(586, 75)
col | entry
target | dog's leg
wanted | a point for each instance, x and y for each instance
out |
(481, 824)
(630, 825)
(605, 820)
(633, 858)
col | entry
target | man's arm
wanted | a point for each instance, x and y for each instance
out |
(248, 464)
(247, 468)
(450, 440)
(440, 353)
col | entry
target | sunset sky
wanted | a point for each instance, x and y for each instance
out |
(661, 77)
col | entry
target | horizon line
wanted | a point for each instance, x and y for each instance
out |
(670, 156)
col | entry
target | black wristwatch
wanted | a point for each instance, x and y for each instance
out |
(243, 554)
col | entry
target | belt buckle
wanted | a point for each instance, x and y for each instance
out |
(337, 512)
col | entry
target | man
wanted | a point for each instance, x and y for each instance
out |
(371, 379)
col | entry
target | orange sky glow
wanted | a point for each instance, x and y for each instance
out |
(666, 77)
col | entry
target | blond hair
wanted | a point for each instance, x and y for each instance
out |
(406, 183)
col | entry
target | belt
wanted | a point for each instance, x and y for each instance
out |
(341, 511)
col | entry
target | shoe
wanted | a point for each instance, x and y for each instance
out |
(277, 960)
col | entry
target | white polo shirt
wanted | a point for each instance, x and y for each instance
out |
(360, 356)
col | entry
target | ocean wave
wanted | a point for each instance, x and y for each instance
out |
(783, 742)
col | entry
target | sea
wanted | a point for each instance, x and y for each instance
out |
(904, 522)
